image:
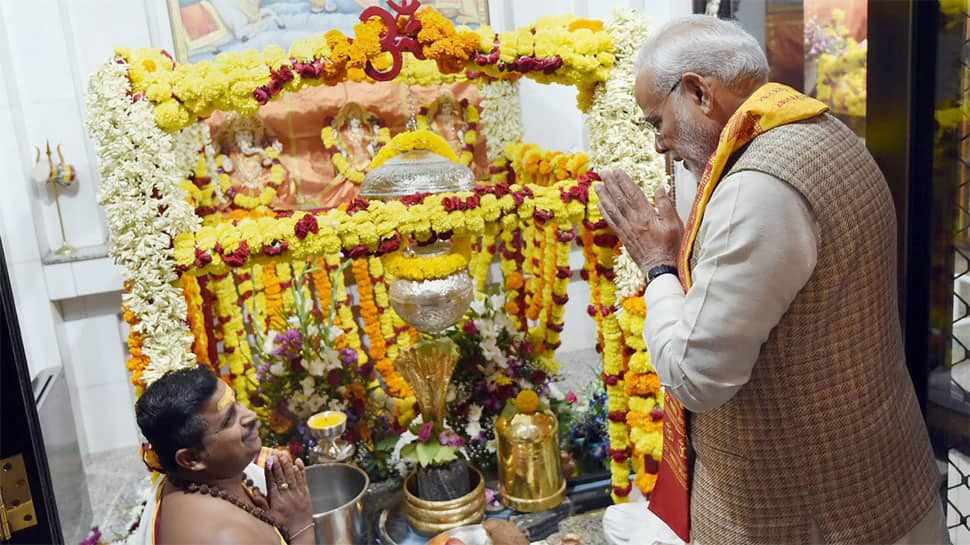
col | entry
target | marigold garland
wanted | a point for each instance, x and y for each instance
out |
(414, 140)
(531, 164)
(420, 268)
(371, 314)
(554, 50)
(196, 318)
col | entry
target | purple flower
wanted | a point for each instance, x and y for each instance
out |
(426, 430)
(289, 344)
(94, 538)
(450, 439)
(490, 496)
(348, 356)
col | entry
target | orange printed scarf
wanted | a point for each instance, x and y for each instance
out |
(770, 106)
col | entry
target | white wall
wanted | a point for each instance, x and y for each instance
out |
(551, 119)
(68, 311)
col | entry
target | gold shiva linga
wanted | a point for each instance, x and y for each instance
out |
(430, 306)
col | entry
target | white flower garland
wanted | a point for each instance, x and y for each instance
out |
(616, 141)
(141, 167)
(501, 117)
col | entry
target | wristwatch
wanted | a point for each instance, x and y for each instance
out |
(660, 270)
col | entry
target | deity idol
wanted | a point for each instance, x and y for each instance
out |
(248, 153)
(353, 139)
(445, 118)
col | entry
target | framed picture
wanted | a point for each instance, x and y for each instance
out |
(202, 29)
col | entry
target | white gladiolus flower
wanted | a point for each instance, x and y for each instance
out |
(316, 368)
(474, 412)
(308, 385)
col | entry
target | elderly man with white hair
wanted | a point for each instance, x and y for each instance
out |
(771, 315)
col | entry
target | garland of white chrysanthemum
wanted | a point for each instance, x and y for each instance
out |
(501, 117)
(141, 167)
(616, 141)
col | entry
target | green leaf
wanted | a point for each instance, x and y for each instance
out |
(387, 443)
(509, 411)
(409, 452)
(445, 455)
(427, 453)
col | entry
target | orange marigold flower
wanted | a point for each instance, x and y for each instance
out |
(645, 482)
(635, 305)
(642, 384)
(515, 280)
(512, 308)
(527, 401)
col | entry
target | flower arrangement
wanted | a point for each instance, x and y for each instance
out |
(308, 368)
(841, 78)
(583, 430)
(496, 363)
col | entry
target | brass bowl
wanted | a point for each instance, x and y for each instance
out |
(429, 517)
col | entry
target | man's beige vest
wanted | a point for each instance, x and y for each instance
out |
(828, 429)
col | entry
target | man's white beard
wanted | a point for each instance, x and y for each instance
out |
(699, 143)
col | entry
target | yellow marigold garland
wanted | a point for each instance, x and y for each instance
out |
(273, 293)
(417, 268)
(412, 140)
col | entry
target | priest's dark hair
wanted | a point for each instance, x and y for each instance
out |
(169, 412)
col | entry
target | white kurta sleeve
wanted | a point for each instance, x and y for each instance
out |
(757, 248)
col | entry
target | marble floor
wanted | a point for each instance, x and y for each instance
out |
(116, 480)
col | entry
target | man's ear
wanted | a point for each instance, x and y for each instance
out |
(699, 91)
(190, 459)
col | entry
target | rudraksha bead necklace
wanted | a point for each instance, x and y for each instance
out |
(221, 493)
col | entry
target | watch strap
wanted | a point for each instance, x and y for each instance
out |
(660, 270)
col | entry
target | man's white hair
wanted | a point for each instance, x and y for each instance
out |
(708, 46)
